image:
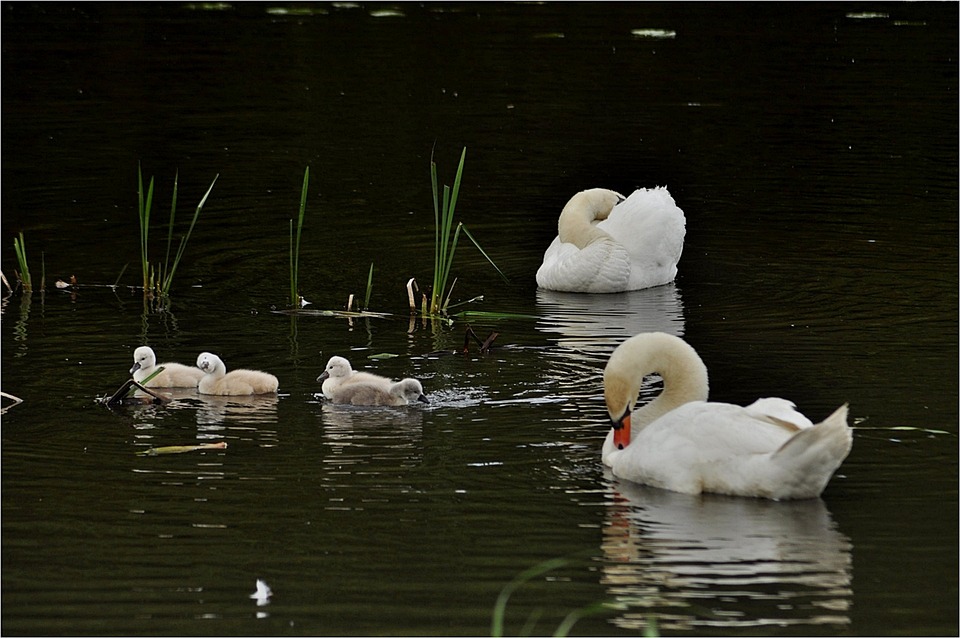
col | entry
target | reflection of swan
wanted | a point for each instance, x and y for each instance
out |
(339, 372)
(588, 327)
(218, 381)
(249, 409)
(718, 563)
(683, 443)
(594, 324)
(402, 392)
(368, 447)
(606, 243)
(174, 375)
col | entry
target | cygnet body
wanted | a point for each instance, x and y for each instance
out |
(174, 375)
(216, 379)
(403, 392)
(339, 372)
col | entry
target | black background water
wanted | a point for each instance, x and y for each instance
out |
(813, 149)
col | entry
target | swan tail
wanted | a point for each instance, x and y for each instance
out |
(810, 457)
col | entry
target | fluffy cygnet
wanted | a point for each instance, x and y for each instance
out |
(217, 380)
(174, 375)
(402, 392)
(339, 372)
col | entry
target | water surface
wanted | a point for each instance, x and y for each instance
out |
(813, 149)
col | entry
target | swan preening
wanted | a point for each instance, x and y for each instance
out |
(174, 375)
(342, 384)
(608, 243)
(216, 379)
(402, 392)
(681, 442)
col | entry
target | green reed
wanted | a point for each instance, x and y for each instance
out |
(24, 274)
(295, 245)
(366, 298)
(159, 280)
(565, 626)
(445, 246)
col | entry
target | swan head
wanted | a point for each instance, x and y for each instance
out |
(143, 359)
(411, 390)
(620, 395)
(209, 362)
(678, 364)
(336, 367)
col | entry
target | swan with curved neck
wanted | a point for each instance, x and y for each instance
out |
(173, 375)
(218, 381)
(608, 243)
(681, 442)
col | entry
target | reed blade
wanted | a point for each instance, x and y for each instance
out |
(295, 245)
(168, 280)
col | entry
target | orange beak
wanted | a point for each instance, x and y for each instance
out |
(621, 432)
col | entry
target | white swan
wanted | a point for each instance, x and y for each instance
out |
(174, 375)
(402, 392)
(339, 371)
(217, 380)
(681, 442)
(606, 243)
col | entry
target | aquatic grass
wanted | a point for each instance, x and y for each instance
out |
(366, 297)
(143, 210)
(160, 281)
(445, 245)
(168, 272)
(295, 298)
(565, 626)
(24, 274)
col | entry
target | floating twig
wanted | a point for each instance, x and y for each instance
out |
(16, 401)
(118, 397)
(180, 449)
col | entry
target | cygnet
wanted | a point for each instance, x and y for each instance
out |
(174, 375)
(402, 392)
(339, 372)
(217, 380)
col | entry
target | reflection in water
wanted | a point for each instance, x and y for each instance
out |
(595, 324)
(591, 326)
(370, 446)
(716, 562)
(215, 414)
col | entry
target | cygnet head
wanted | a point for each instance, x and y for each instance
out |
(337, 367)
(209, 362)
(411, 390)
(143, 359)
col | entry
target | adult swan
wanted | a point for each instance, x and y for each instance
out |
(681, 442)
(606, 243)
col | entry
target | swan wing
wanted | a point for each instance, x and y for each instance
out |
(727, 449)
(778, 410)
(652, 228)
(700, 447)
(603, 266)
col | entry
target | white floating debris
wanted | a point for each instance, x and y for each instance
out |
(263, 593)
(868, 15)
(656, 34)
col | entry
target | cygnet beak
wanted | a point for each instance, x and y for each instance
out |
(422, 399)
(136, 366)
(323, 376)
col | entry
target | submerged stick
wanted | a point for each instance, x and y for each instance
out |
(122, 392)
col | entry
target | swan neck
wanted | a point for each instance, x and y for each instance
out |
(577, 224)
(683, 372)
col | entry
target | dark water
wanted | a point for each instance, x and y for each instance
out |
(813, 149)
